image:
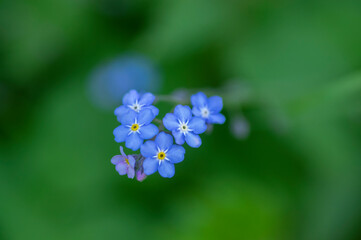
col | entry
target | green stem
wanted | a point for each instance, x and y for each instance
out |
(158, 121)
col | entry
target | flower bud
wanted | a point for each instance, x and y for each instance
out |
(140, 175)
(239, 127)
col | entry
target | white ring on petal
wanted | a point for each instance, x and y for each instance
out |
(160, 160)
(136, 106)
(183, 127)
(205, 112)
(130, 127)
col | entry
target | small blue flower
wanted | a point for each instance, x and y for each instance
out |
(111, 80)
(161, 155)
(208, 108)
(135, 128)
(185, 127)
(135, 102)
(124, 164)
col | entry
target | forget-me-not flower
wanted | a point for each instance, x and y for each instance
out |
(124, 164)
(185, 127)
(208, 108)
(135, 128)
(135, 102)
(111, 80)
(161, 155)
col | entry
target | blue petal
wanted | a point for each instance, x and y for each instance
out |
(198, 125)
(133, 141)
(170, 122)
(122, 151)
(199, 100)
(178, 136)
(120, 111)
(216, 118)
(215, 104)
(131, 172)
(155, 110)
(166, 169)
(197, 111)
(145, 117)
(149, 149)
(128, 119)
(131, 161)
(164, 141)
(146, 99)
(193, 140)
(122, 168)
(176, 154)
(117, 159)
(183, 113)
(148, 131)
(150, 165)
(130, 98)
(120, 133)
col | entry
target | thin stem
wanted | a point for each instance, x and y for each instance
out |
(165, 98)
(172, 99)
(160, 124)
(166, 131)
(158, 121)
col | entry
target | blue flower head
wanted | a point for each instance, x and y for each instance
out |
(135, 102)
(185, 127)
(124, 164)
(135, 128)
(161, 155)
(110, 81)
(208, 108)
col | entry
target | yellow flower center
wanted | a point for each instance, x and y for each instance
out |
(134, 127)
(161, 155)
(127, 161)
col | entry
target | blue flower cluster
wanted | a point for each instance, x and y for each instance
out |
(160, 153)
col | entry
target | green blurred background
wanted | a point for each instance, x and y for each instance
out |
(295, 176)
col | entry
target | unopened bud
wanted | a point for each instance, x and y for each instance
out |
(239, 127)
